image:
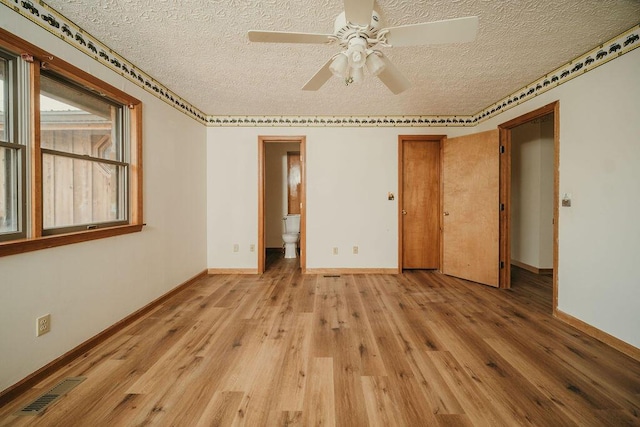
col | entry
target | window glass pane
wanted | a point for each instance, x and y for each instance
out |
(4, 98)
(78, 192)
(74, 120)
(8, 190)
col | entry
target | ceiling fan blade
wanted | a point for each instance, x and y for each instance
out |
(393, 78)
(320, 78)
(358, 11)
(458, 30)
(286, 37)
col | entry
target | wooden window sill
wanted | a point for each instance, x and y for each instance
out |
(36, 244)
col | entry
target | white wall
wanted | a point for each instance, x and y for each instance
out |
(349, 172)
(599, 235)
(88, 287)
(532, 193)
(276, 190)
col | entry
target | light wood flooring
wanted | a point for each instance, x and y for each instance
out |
(417, 349)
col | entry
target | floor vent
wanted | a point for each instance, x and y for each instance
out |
(331, 275)
(46, 399)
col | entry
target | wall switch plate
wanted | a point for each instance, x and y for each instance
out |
(43, 325)
(335, 251)
(236, 247)
(355, 250)
(252, 248)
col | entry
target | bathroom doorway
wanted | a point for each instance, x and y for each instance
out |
(281, 192)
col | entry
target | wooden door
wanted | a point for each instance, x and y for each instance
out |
(420, 207)
(471, 223)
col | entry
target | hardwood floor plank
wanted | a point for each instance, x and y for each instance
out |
(291, 384)
(371, 364)
(416, 338)
(496, 377)
(404, 384)
(552, 386)
(305, 303)
(335, 338)
(319, 402)
(381, 410)
(261, 400)
(221, 410)
(453, 420)
(468, 392)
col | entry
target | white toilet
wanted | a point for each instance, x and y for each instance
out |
(291, 235)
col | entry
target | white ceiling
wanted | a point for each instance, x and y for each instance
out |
(199, 49)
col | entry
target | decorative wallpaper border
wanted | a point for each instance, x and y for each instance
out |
(58, 25)
(340, 121)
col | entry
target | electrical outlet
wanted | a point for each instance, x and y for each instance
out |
(43, 325)
(236, 247)
(335, 251)
(252, 248)
(355, 250)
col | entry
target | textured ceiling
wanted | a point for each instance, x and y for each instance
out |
(199, 49)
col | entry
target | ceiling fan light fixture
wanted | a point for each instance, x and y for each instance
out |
(340, 66)
(375, 64)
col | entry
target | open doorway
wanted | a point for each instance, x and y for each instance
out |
(532, 195)
(281, 198)
(529, 194)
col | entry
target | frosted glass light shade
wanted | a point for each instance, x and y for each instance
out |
(340, 66)
(357, 74)
(375, 64)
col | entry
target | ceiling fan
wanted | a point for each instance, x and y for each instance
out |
(358, 32)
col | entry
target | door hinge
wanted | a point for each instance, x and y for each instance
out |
(501, 264)
(501, 207)
(502, 149)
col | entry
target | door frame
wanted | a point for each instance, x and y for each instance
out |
(505, 191)
(401, 139)
(263, 140)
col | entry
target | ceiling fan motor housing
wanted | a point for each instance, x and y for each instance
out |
(345, 31)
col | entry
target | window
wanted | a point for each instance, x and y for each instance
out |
(84, 168)
(12, 154)
(70, 171)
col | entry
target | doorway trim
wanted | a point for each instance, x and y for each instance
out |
(505, 192)
(401, 140)
(262, 141)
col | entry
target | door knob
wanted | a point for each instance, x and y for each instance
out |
(404, 212)
(446, 214)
